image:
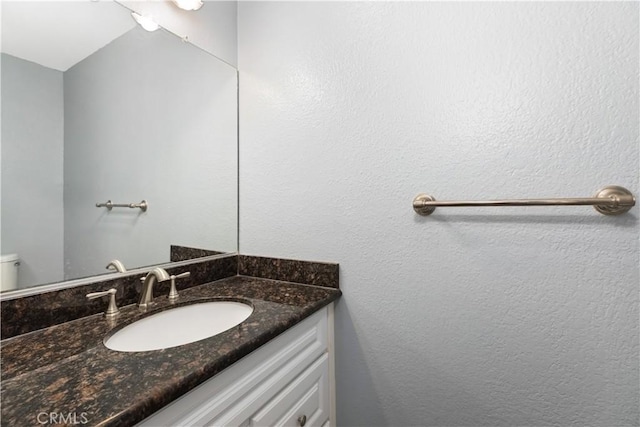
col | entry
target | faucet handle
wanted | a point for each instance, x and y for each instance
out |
(173, 293)
(112, 309)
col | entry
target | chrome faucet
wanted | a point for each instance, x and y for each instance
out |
(155, 275)
(116, 265)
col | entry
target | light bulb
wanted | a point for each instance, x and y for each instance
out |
(189, 4)
(145, 22)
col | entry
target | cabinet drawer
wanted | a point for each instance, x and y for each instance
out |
(304, 401)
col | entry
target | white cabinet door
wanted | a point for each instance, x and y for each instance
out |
(304, 402)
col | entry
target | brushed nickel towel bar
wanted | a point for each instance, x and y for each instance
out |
(143, 205)
(611, 200)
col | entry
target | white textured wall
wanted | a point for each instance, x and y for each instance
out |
(148, 117)
(511, 316)
(32, 140)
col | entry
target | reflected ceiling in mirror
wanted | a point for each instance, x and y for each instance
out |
(120, 114)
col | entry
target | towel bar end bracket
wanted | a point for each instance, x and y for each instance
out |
(623, 198)
(419, 206)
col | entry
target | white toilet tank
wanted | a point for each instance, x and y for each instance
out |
(9, 272)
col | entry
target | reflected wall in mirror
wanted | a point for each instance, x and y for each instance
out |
(114, 113)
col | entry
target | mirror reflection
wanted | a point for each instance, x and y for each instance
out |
(97, 109)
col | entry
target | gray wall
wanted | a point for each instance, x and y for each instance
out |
(501, 316)
(178, 152)
(32, 140)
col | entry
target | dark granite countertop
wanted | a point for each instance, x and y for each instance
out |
(66, 369)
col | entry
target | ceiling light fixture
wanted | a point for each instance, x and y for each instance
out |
(145, 22)
(189, 4)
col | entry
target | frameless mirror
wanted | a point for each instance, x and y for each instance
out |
(96, 109)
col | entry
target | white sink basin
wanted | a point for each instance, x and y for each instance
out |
(179, 326)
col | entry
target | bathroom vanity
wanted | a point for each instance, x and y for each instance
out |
(287, 382)
(274, 368)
